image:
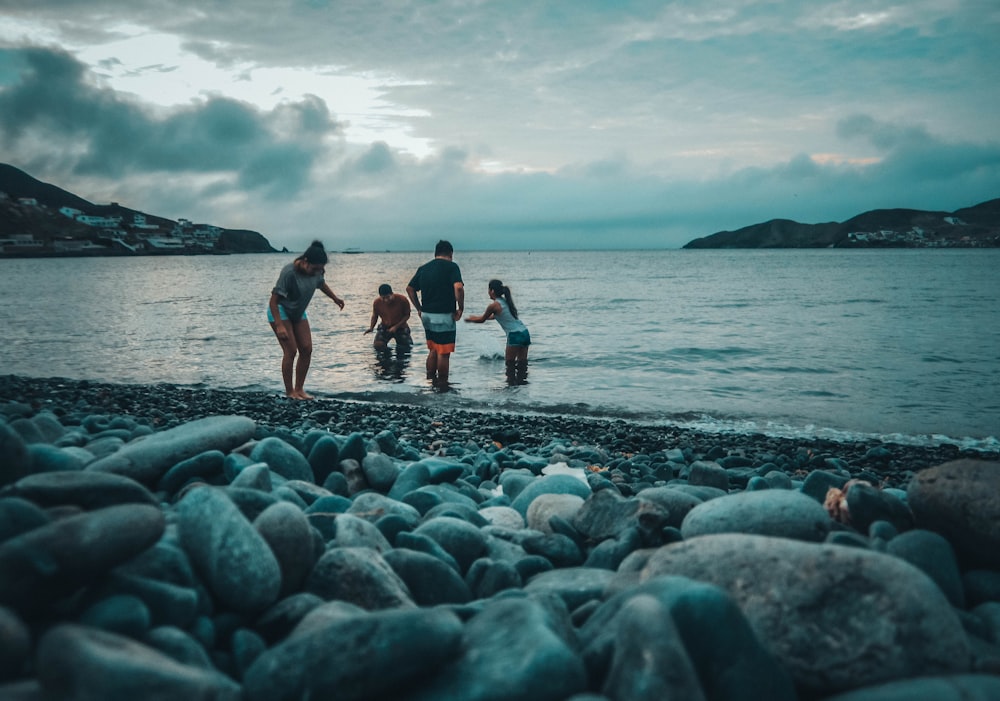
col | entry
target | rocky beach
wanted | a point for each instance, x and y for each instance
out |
(164, 542)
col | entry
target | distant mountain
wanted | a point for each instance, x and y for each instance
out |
(38, 218)
(971, 227)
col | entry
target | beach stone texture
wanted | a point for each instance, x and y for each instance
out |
(961, 501)
(839, 618)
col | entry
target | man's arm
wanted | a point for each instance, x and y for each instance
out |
(412, 294)
(459, 300)
(374, 319)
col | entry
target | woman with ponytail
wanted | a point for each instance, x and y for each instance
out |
(286, 312)
(518, 339)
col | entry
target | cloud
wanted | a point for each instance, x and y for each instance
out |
(57, 111)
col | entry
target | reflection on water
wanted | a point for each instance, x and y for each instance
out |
(390, 364)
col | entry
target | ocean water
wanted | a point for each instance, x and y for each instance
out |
(899, 345)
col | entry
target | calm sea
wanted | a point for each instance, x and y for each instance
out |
(901, 345)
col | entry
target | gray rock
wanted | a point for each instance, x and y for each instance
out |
(283, 459)
(49, 458)
(122, 613)
(730, 661)
(430, 581)
(15, 645)
(85, 664)
(179, 646)
(708, 474)
(492, 664)
(549, 484)
(324, 458)
(546, 506)
(649, 660)
(372, 506)
(574, 585)
(18, 516)
(279, 620)
(459, 538)
(348, 657)
(838, 618)
(674, 502)
(205, 466)
(605, 514)
(381, 471)
(961, 501)
(234, 559)
(15, 462)
(88, 490)
(959, 687)
(933, 554)
(50, 561)
(353, 532)
(772, 512)
(359, 576)
(147, 460)
(819, 482)
(287, 532)
(503, 516)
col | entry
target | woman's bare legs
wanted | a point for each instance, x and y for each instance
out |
(297, 341)
(303, 339)
(516, 360)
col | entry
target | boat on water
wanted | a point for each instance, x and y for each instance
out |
(352, 251)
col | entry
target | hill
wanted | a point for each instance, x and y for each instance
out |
(971, 227)
(41, 219)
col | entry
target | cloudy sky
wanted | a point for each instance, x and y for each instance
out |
(387, 124)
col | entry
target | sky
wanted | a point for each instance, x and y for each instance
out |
(504, 124)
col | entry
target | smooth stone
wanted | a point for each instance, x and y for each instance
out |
(15, 645)
(410, 479)
(492, 663)
(179, 646)
(165, 561)
(560, 550)
(356, 480)
(424, 544)
(256, 476)
(49, 425)
(430, 581)
(15, 461)
(772, 512)
(676, 503)
(250, 502)
(464, 509)
(981, 586)
(549, 484)
(88, 490)
(867, 505)
(961, 501)
(372, 506)
(354, 532)
(167, 603)
(605, 514)
(381, 471)
(387, 442)
(77, 663)
(205, 466)
(50, 561)
(487, 577)
(283, 459)
(28, 431)
(359, 576)
(147, 460)
(279, 620)
(458, 538)
(308, 492)
(287, 532)
(705, 473)
(121, 613)
(513, 482)
(324, 458)
(247, 646)
(19, 516)
(824, 638)
(349, 658)
(649, 660)
(49, 458)
(933, 554)
(354, 448)
(233, 558)
(729, 659)
(574, 585)
(819, 482)
(503, 516)
(959, 687)
(609, 554)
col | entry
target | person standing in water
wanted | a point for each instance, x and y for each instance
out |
(394, 311)
(441, 304)
(286, 312)
(518, 339)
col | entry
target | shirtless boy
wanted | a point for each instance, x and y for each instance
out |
(394, 311)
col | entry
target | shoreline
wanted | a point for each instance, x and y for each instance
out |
(166, 405)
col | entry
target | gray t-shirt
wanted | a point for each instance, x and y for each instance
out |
(295, 290)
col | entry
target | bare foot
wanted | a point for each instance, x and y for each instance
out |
(301, 394)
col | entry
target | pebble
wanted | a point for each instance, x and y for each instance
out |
(228, 545)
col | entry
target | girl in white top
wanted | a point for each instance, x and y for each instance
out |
(518, 339)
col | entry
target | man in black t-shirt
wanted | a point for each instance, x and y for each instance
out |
(441, 304)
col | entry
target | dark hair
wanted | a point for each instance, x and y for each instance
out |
(503, 291)
(315, 254)
(443, 248)
(384, 289)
